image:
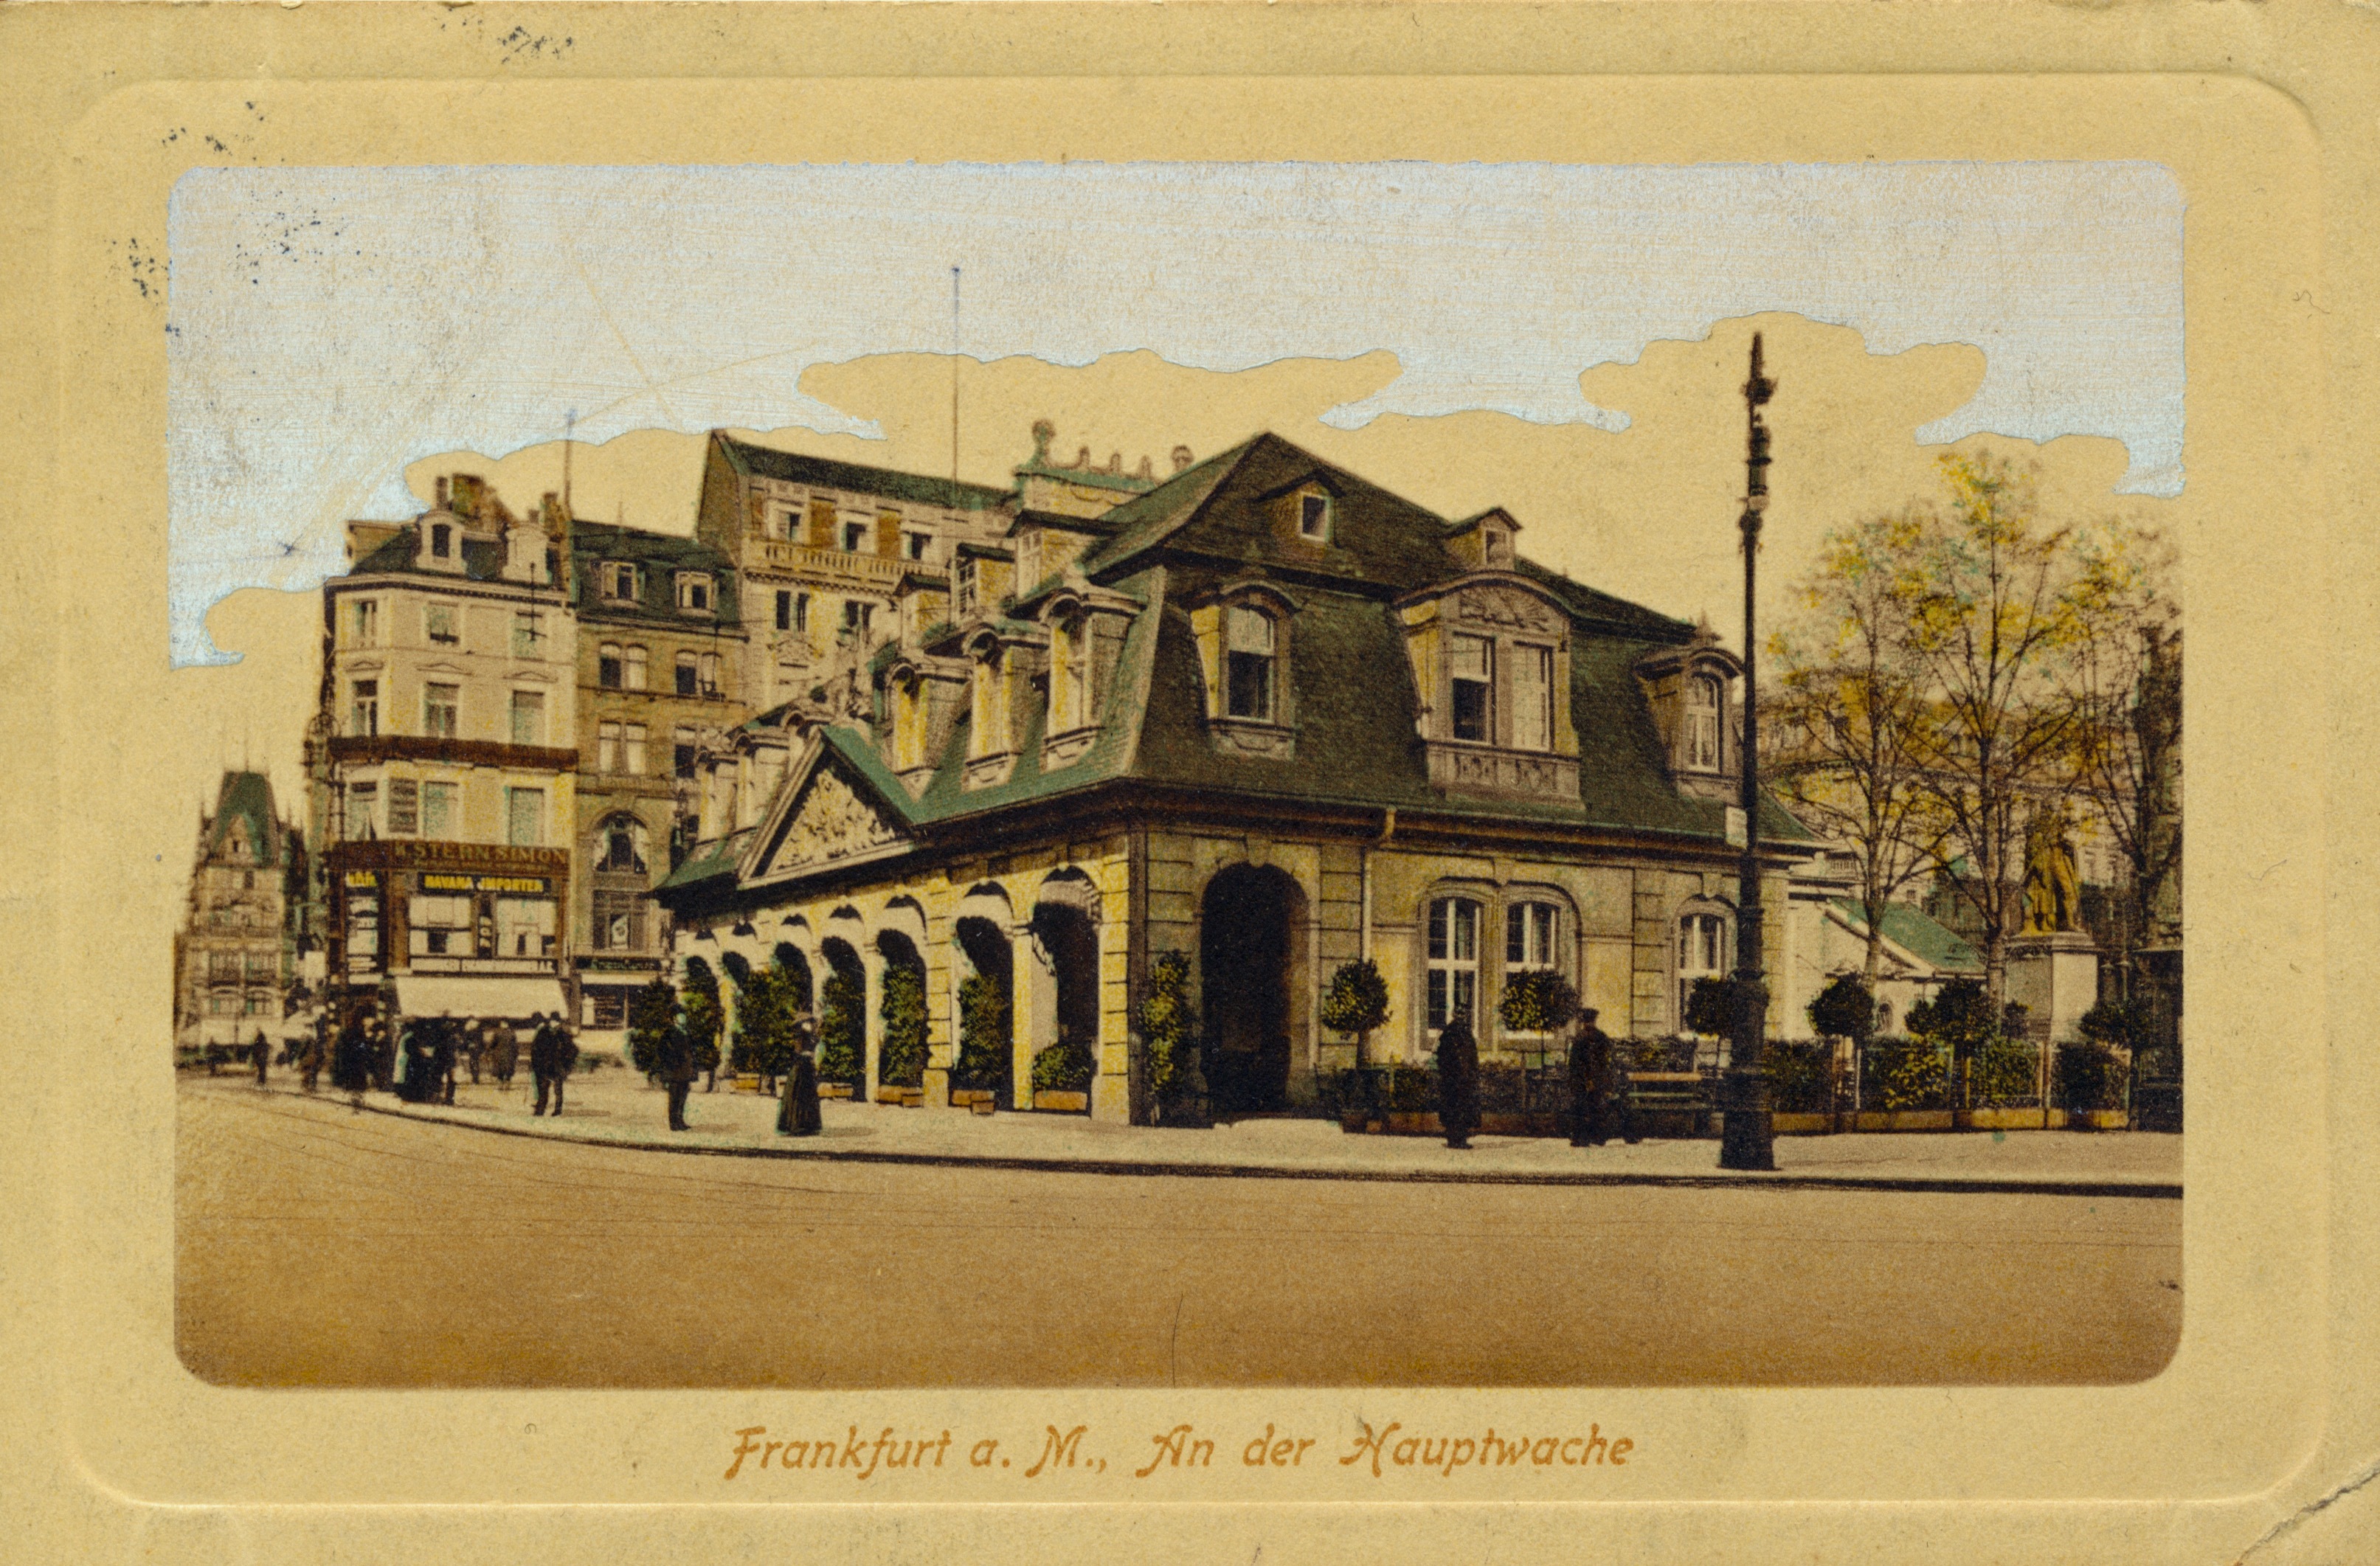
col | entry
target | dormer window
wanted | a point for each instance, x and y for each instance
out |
(442, 540)
(1070, 675)
(1314, 517)
(620, 583)
(1248, 680)
(962, 580)
(1473, 667)
(1701, 723)
(694, 592)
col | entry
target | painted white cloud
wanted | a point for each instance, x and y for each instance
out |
(329, 326)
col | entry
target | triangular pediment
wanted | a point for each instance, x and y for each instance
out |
(829, 816)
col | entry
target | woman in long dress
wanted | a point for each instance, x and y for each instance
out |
(797, 1109)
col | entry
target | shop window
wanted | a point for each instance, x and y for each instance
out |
(363, 926)
(441, 710)
(259, 1004)
(439, 925)
(607, 1007)
(1453, 960)
(619, 921)
(221, 1005)
(1472, 666)
(524, 927)
(1249, 674)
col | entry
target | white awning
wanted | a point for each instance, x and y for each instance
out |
(510, 996)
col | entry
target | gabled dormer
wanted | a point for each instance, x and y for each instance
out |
(923, 696)
(1490, 652)
(1485, 542)
(1002, 657)
(1085, 626)
(1245, 628)
(1691, 690)
(438, 538)
(1304, 514)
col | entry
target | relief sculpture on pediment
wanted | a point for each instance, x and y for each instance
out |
(831, 822)
(1504, 608)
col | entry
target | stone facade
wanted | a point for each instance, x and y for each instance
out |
(232, 958)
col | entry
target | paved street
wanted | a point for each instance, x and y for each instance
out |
(321, 1246)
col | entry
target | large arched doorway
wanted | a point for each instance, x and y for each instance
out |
(987, 1011)
(901, 1010)
(1247, 944)
(1067, 944)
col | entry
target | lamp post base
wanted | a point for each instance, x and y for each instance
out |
(1745, 1131)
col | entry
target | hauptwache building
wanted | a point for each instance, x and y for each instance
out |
(1273, 717)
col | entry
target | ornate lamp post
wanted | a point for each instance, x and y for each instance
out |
(1744, 1132)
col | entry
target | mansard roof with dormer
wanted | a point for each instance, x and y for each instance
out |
(1212, 535)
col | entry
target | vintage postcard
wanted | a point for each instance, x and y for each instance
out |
(843, 781)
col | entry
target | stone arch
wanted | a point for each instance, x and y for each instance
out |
(846, 999)
(899, 1058)
(1058, 998)
(1255, 995)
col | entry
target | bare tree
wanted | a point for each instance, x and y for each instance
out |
(1850, 708)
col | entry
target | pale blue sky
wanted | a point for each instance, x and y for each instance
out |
(330, 326)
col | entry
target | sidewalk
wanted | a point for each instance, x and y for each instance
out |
(617, 1108)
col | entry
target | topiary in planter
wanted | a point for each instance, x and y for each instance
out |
(843, 1044)
(2087, 1077)
(1905, 1073)
(1537, 1000)
(1169, 1031)
(1356, 1003)
(650, 1017)
(1710, 1007)
(1801, 1075)
(2005, 1071)
(1844, 1009)
(902, 1009)
(1064, 1067)
(985, 1039)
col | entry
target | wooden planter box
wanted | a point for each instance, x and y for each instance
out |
(985, 1105)
(834, 1089)
(968, 1097)
(748, 1082)
(1062, 1103)
(907, 1098)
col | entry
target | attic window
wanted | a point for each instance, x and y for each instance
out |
(1474, 670)
(693, 593)
(1701, 723)
(442, 540)
(1249, 689)
(620, 583)
(1314, 517)
(1498, 547)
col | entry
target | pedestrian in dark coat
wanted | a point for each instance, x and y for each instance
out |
(263, 1053)
(544, 1053)
(310, 1061)
(674, 1067)
(383, 1055)
(351, 1058)
(442, 1059)
(797, 1109)
(413, 1084)
(1458, 1080)
(475, 1046)
(503, 1053)
(1590, 1081)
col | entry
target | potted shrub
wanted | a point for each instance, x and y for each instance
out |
(843, 1058)
(1062, 1077)
(2088, 1075)
(1356, 1003)
(900, 1067)
(985, 1043)
(1168, 1029)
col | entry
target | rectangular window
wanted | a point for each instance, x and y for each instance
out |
(632, 750)
(856, 616)
(682, 753)
(525, 818)
(1249, 692)
(1313, 517)
(363, 810)
(1533, 712)
(438, 623)
(784, 612)
(607, 747)
(801, 611)
(220, 1005)
(1453, 960)
(363, 621)
(963, 578)
(260, 967)
(854, 537)
(529, 717)
(438, 809)
(1529, 935)
(439, 927)
(634, 660)
(1472, 665)
(694, 594)
(1702, 724)
(403, 807)
(710, 674)
(690, 675)
(524, 927)
(529, 633)
(222, 967)
(1028, 560)
(440, 706)
(619, 922)
(607, 666)
(620, 583)
(257, 1005)
(913, 544)
(363, 708)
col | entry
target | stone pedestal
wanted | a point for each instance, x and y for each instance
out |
(2055, 978)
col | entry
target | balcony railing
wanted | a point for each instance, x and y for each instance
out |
(776, 554)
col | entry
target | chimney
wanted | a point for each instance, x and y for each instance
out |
(1148, 469)
(442, 491)
(1180, 458)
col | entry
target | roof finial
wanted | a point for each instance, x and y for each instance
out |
(1043, 433)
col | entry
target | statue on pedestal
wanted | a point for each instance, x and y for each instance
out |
(2053, 890)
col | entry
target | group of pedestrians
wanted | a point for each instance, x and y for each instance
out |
(418, 1062)
(1600, 1105)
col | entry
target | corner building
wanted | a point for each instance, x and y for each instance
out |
(1275, 718)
